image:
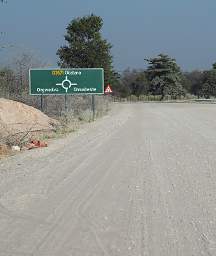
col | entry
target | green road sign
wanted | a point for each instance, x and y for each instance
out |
(66, 81)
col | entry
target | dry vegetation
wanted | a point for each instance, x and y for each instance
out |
(4, 151)
(21, 123)
(14, 85)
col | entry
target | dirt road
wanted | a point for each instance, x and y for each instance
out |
(140, 182)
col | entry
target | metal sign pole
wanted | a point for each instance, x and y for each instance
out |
(66, 103)
(93, 106)
(41, 103)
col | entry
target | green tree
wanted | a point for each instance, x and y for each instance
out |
(136, 82)
(165, 76)
(206, 90)
(120, 90)
(194, 80)
(86, 48)
(186, 83)
(141, 85)
(208, 87)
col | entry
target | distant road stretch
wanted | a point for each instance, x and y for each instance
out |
(139, 182)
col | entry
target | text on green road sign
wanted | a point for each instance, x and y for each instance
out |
(66, 81)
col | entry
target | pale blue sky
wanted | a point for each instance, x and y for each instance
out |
(184, 29)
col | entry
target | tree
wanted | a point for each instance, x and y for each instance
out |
(22, 65)
(206, 90)
(7, 78)
(195, 82)
(135, 81)
(120, 90)
(141, 85)
(186, 82)
(86, 48)
(165, 76)
(208, 87)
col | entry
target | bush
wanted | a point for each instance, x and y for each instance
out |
(189, 96)
(133, 98)
(86, 115)
(68, 122)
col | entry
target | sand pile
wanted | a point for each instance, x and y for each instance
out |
(18, 118)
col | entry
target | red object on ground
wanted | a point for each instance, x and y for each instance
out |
(39, 143)
(36, 144)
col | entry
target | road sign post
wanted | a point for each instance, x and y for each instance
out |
(66, 81)
(66, 103)
(41, 103)
(93, 106)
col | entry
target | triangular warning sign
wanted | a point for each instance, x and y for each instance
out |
(108, 89)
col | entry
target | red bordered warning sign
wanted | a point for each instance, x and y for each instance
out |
(108, 89)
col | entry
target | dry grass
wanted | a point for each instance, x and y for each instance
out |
(79, 112)
(4, 151)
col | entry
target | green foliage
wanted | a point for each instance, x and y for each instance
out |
(120, 89)
(206, 90)
(134, 82)
(209, 84)
(193, 82)
(202, 84)
(133, 98)
(165, 76)
(140, 85)
(186, 82)
(86, 48)
(163, 79)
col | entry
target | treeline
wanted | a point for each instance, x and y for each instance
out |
(85, 47)
(164, 78)
(14, 78)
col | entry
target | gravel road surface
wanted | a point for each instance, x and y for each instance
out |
(139, 182)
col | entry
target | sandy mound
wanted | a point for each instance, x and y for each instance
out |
(16, 117)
